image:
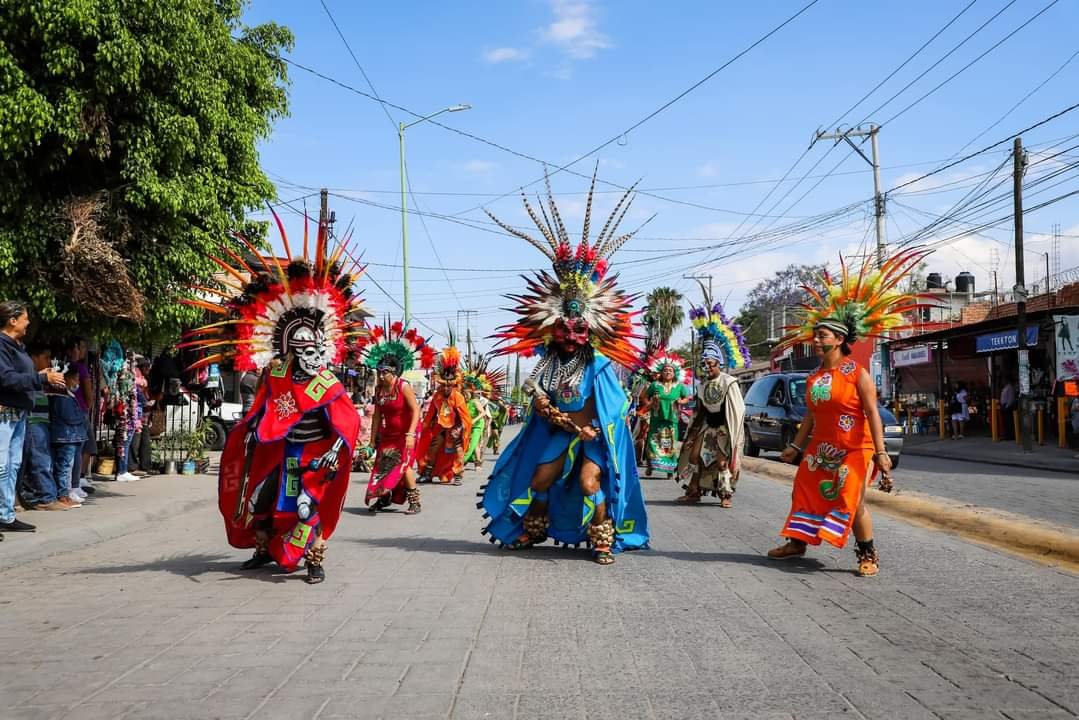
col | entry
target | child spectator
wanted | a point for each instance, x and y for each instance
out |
(68, 432)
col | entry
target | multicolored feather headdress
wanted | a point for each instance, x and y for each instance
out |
(862, 305)
(661, 359)
(266, 308)
(579, 288)
(720, 338)
(448, 366)
(411, 350)
(480, 376)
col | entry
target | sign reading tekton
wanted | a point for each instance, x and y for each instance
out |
(1005, 340)
(917, 355)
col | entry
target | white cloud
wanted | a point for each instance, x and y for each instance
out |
(708, 170)
(479, 167)
(505, 54)
(574, 29)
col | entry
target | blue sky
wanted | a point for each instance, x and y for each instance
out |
(555, 78)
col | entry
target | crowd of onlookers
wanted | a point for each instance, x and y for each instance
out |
(47, 438)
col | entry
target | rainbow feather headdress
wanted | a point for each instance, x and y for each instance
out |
(661, 359)
(410, 348)
(580, 286)
(479, 375)
(719, 334)
(261, 302)
(865, 304)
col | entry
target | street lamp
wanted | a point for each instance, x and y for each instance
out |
(404, 203)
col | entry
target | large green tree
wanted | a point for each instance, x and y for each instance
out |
(128, 133)
(663, 314)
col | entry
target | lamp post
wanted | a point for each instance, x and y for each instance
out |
(404, 202)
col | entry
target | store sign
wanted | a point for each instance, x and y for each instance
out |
(1066, 330)
(1005, 340)
(917, 355)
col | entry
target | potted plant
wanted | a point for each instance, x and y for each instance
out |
(197, 442)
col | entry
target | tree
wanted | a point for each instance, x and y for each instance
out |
(774, 299)
(128, 133)
(663, 314)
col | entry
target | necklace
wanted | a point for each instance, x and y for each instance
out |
(552, 373)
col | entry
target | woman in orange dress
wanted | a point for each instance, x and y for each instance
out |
(840, 447)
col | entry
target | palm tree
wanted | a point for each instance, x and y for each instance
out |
(663, 314)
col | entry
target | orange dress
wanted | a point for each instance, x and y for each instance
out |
(836, 467)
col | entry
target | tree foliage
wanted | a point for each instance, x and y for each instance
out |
(775, 298)
(149, 109)
(663, 314)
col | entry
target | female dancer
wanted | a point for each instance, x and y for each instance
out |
(841, 438)
(393, 428)
(667, 395)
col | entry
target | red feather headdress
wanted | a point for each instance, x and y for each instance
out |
(269, 299)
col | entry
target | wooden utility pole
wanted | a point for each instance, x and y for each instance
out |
(1020, 291)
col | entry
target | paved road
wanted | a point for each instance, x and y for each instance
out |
(422, 618)
(1040, 494)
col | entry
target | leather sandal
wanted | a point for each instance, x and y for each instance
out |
(788, 550)
(725, 502)
(690, 498)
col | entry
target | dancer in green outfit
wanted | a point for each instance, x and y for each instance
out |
(499, 414)
(667, 394)
(480, 383)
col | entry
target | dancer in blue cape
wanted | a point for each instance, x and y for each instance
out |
(571, 474)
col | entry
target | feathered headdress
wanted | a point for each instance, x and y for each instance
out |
(579, 287)
(411, 350)
(661, 359)
(480, 376)
(266, 302)
(862, 305)
(720, 338)
(448, 366)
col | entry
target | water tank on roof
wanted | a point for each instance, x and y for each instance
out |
(934, 281)
(964, 283)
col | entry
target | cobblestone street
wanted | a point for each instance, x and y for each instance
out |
(422, 618)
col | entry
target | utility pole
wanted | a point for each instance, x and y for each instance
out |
(1019, 162)
(871, 131)
(468, 328)
(324, 211)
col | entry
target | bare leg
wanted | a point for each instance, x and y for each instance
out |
(601, 529)
(535, 521)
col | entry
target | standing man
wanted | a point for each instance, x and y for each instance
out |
(1007, 409)
(18, 381)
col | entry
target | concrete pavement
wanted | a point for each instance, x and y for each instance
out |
(422, 618)
(984, 451)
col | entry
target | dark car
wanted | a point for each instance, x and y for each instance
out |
(775, 406)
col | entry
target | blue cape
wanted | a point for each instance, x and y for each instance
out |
(508, 493)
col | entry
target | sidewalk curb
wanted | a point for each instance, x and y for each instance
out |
(1013, 533)
(1027, 462)
(13, 554)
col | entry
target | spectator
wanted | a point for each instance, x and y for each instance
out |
(68, 430)
(18, 382)
(1007, 409)
(84, 398)
(959, 410)
(43, 491)
(140, 443)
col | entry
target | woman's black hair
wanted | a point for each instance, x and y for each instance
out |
(389, 361)
(11, 310)
(844, 347)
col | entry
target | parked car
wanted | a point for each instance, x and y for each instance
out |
(775, 406)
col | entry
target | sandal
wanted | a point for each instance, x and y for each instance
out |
(381, 503)
(604, 557)
(725, 502)
(868, 562)
(788, 550)
(456, 481)
(690, 498)
(413, 497)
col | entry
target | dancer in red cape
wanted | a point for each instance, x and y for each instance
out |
(285, 469)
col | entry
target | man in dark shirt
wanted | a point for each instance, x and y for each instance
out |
(18, 382)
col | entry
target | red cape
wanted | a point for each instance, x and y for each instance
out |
(281, 403)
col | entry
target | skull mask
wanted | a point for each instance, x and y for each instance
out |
(309, 348)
